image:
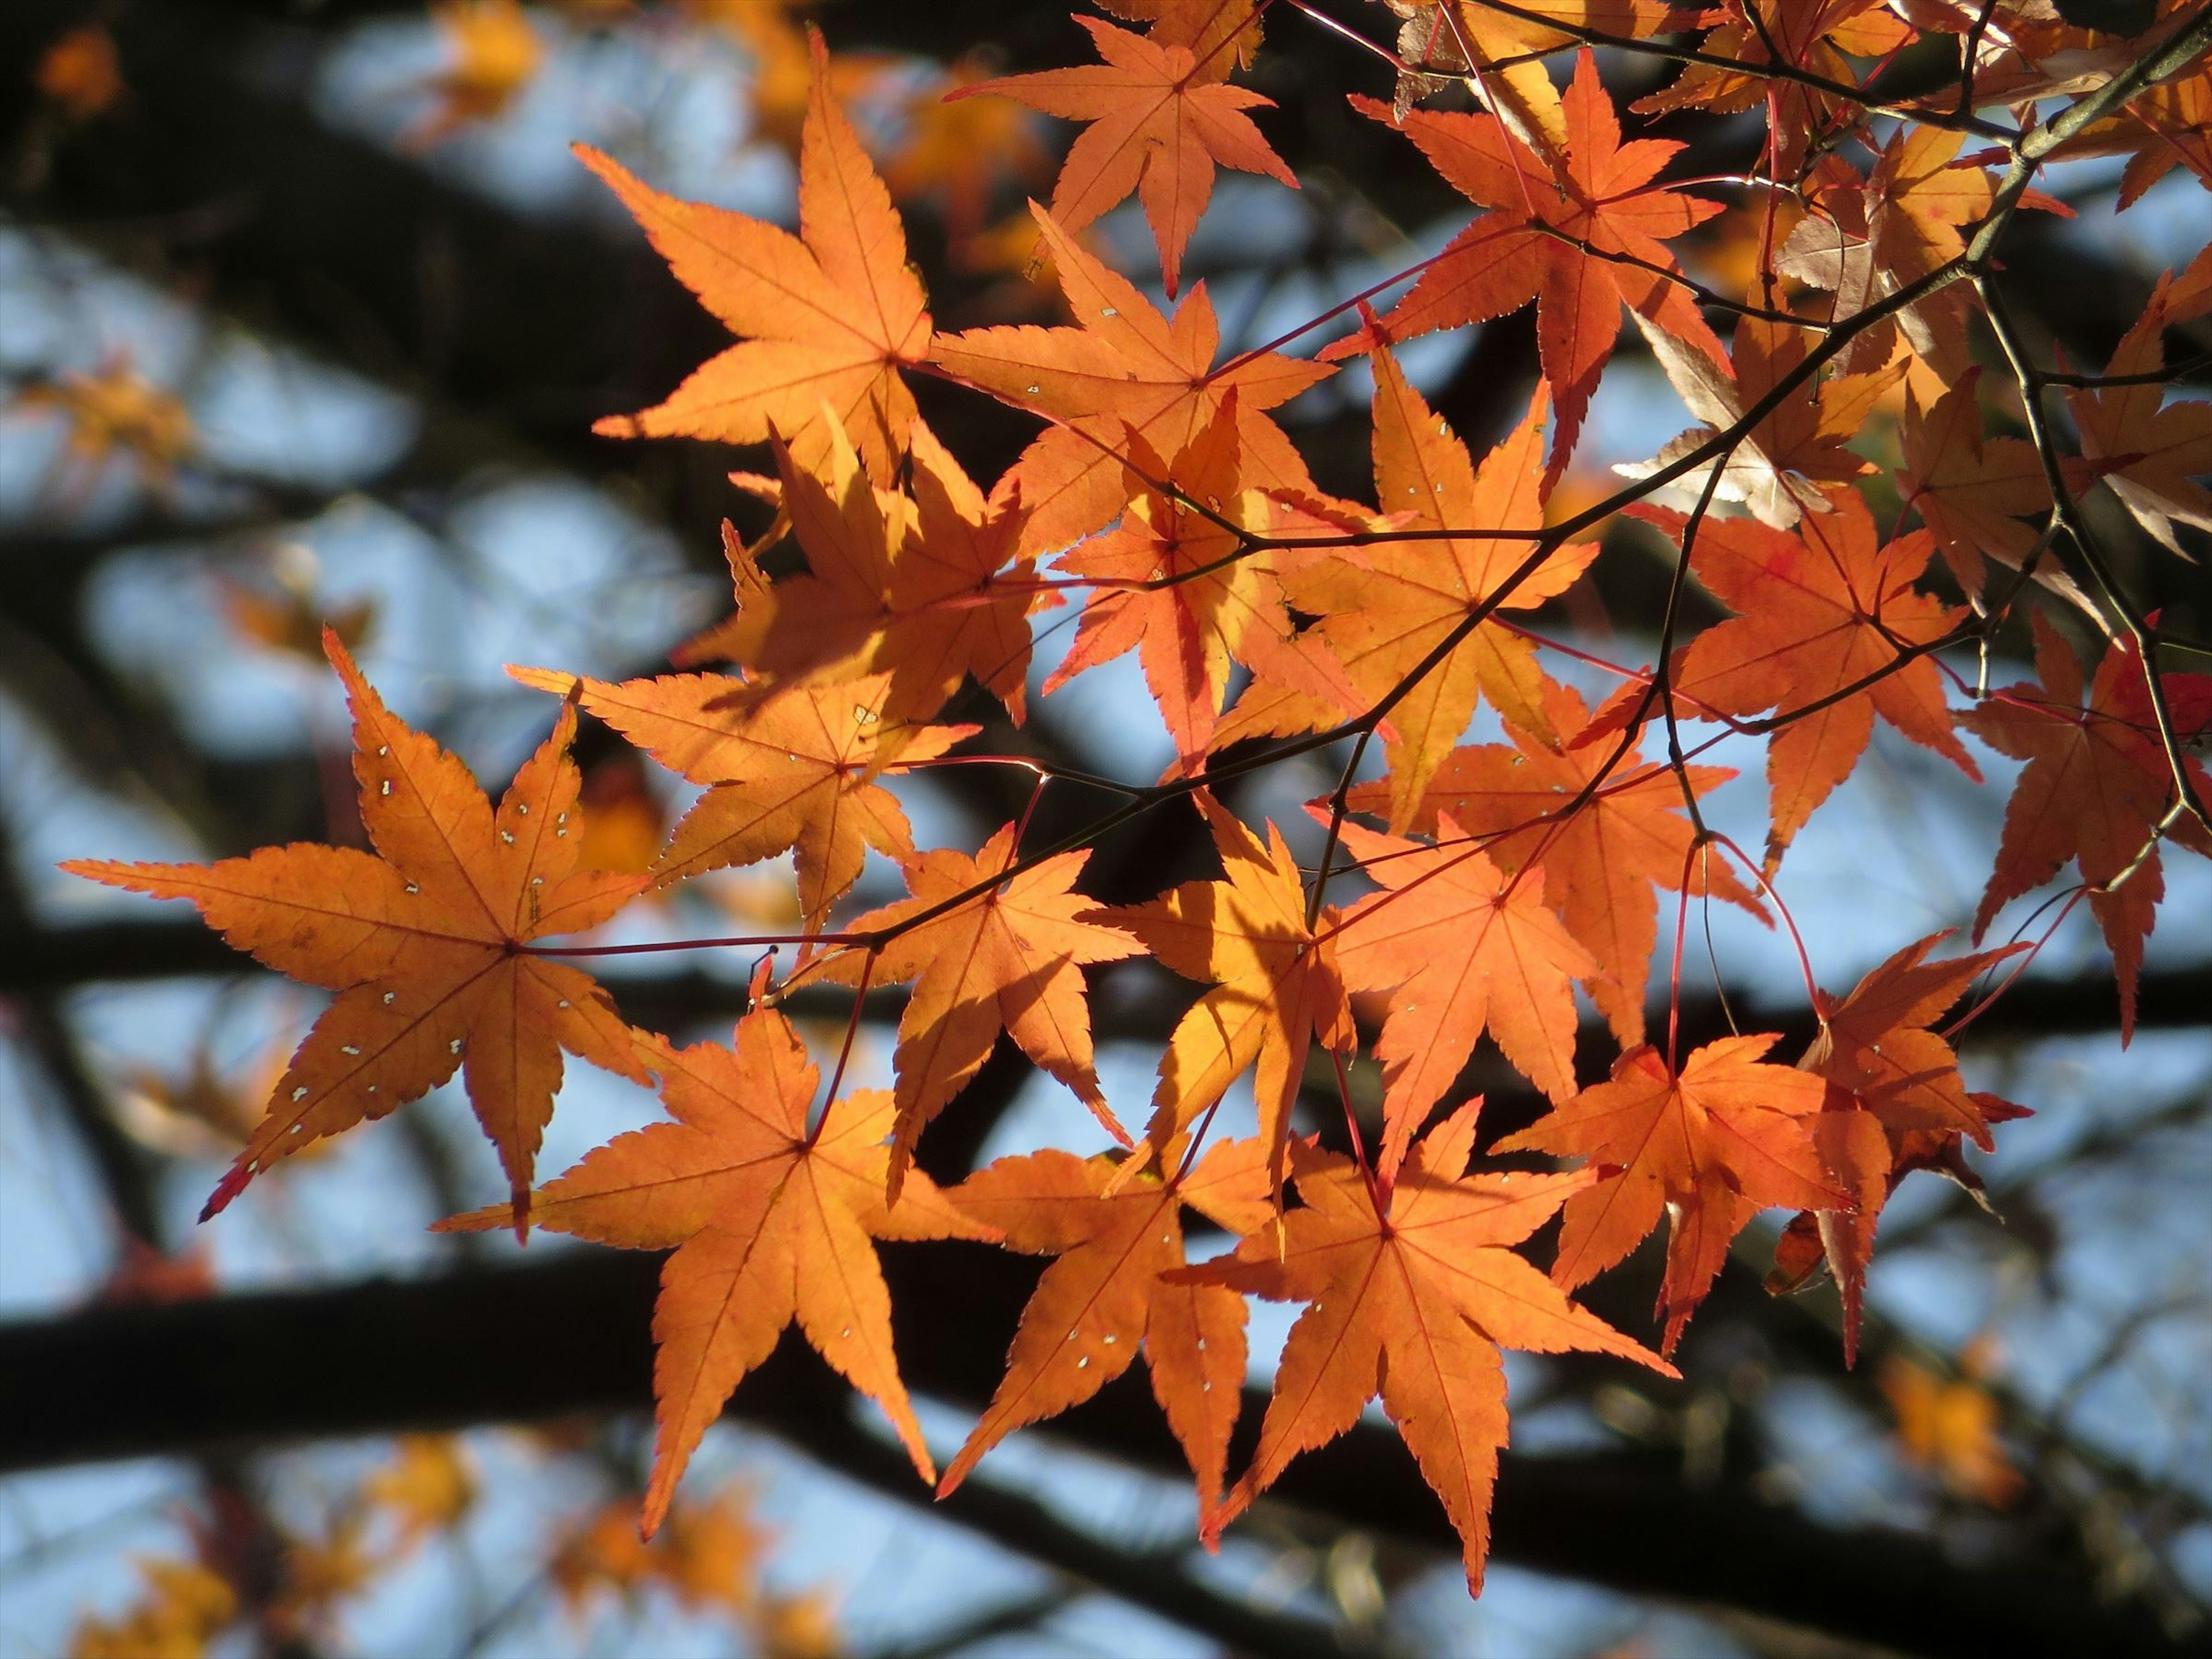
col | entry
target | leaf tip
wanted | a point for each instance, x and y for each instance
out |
(233, 1183)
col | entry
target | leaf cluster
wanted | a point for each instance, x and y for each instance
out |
(1163, 498)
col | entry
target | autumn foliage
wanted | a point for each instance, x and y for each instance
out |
(1448, 893)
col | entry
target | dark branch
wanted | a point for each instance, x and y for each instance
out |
(572, 1334)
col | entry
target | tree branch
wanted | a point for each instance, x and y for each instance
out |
(571, 1334)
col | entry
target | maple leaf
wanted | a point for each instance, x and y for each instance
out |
(1220, 35)
(1466, 948)
(1274, 978)
(707, 1555)
(925, 589)
(1009, 959)
(115, 411)
(1778, 467)
(2153, 451)
(426, 1489)
(423, 941)
(204, 1111)
(1950, 1424)
(1464, 40)
(1907, 220)
(795, 768)
(1104, 1296)
(1412, 1300)
(1709, 1147)
(1212, 606)
(2097, 784)
(1581, 240)
(2165, 126)
(961, 150)
(1823, 610)
(1895, 1100)
(782, 65)
(768, 1224)
(1601, 863)
(182, 1608)
(494, 54)
(1385, 608)
(1971, 490)
(1157, 128)
(1124, 368)
(831, 315)
(1441, 43)
(1821, 36)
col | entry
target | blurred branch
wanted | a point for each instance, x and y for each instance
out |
(1162, 1581)
(1008, 1618)
(128, 951)
(572, 1334)
(124, 1171)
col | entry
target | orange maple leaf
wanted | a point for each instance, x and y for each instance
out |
(1582, 241)
(425, 1490)
(1440, 44)
(1823, 611)
(2097, 784)
(832, 314)
(1220, 35)
(1411, 1299)
(182, 1608)
(2165, 126)
(2153, 451)
(494, 54)
(422, 941)
(1212, 605)
(1815, 36)
(1125, 367)
(794, 769)
(1895, 1100)
(1157, 128)
(770, 1224)
(114, 411)
(1274, 978)
(1950, 1424)
(1600, 864)
(1010, 958)
(961, 152)
(925, 589)
(1105, 1296)
(1971, 490)
(1712, 1145)
(1466, 949)
(1868, 240)
(1384, 608)
(707, 1555)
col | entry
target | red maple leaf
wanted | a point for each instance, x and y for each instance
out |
(1582, 243)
